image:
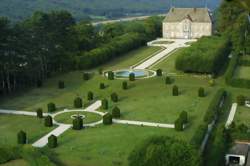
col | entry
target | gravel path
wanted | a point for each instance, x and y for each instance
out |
(140, 123)
(231, 115)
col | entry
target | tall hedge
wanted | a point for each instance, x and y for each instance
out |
(39, 113)
(48, 121)
(207, 55)
(90, 96)
(107, 119)
(116, 113)
(111, 75)
(124, 85)
(175, 90)
(77, 123)
(105, 105)
(131, 76)
(114, 97)
(21, 137)
(52, 141)
(78, 102)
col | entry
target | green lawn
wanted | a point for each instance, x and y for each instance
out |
(66, 117)
(19, 162)
(10, 125)
(243, 72)
(243, 116)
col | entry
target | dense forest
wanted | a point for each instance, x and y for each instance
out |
(96, 9)
(50, 43)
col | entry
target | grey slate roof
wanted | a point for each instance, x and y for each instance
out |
(194, 14)
(239, 149)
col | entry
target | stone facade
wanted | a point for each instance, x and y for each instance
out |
(187, 25)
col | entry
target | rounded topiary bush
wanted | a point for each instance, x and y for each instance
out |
(77, 123)
(105, 104)
(175, 90)
(78, 102)
(39, 113)
(48, 121)
(114, 97)
(124, 85)
(51, 107)
(107, 119)
(168, 80)
(131, 76)
(178, 125)
(61, 85)
(102, 86)
(90, 96)
(116, 113)
(21, 137)
(52, 141)
(211, 82)
(159, 72)
(111, 75)
(201, 92)
(241, 100)
(86, 76)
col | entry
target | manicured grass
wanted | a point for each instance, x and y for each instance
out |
(243, 72)
(10, 125)
(243, 116)
(66, 117)
(19, 162)
(106, 145)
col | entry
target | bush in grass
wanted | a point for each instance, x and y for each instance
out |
(201, 92)
(168, 80)
(77, 123)
(52, 141)
(114, 97)
(124, 85)
(241, 100)
(116, 113)
(184, 117)
(178, 125)
(21, 137)
(51, 107)
(78, 102)
(90, 96)
(159, 72)
(175, 90)
(39, 113)
(102, 86)
(211, 82)
(48, 121)
(61, 85)
(86, 76)
(111, 75)
(131, 76)
(107, 119)
(105, 104)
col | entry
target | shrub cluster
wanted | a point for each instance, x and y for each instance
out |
(124, 85)
(116, 113)
(48, 121)
(107, 119)
(39, 113)
(61, 85)
(105, 104)
(181, 121)
(131, 76)
(208, 55)
(116, 47)
(52, 141)
(21, 137)
(78, 102)
(77, 123)
(114, 97)
(111, 75)
(51, 107)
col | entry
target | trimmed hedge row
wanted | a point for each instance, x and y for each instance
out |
(117, 47)
(208, 55)
(229, 77)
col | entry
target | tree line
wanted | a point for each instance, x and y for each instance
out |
(49, 43)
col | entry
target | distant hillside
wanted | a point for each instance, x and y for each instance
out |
(98, 9)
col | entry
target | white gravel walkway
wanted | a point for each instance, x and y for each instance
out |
(140, 123)
(231, 115)
(177, 43)
(14, 112)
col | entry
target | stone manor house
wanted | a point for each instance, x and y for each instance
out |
(187, 23)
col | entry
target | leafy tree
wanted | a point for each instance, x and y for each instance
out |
(90, 96)
(21, 137)
(48, 121)
(39, 113)
(116, 113)
(107, 119)
(52, 141)
(51, 107)
(162, 150)
(78, 102)
(114, 97)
